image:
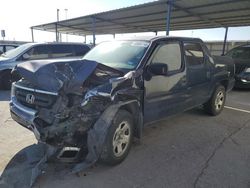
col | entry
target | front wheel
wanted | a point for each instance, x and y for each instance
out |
(119, 139)
(216, 103)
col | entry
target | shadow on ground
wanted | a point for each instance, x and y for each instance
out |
(4, 95)
(241, 89)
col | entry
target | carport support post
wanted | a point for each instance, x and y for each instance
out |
(56, 33)
(85, 39)
(32, 34)
(225, 42)
(169, 6)
(93, 30)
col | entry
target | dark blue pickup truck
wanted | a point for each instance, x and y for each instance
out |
(99, 103)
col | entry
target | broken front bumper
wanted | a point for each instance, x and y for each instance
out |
(23, 115)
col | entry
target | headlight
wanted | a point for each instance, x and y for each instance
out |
(247, 70)
(13, 90)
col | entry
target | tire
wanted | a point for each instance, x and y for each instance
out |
(216, 103)
(6, 80)
(119, 139)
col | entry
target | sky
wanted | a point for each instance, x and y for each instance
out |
(17, 16)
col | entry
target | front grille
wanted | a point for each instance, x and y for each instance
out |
(40, 99)
(239, 68)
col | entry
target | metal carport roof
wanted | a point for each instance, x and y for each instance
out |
(151, 17)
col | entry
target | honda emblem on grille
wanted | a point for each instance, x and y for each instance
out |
(30, 98)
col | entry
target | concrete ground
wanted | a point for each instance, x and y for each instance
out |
(188, 150)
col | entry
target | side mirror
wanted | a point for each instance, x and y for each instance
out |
(158, 69)
(25, 56)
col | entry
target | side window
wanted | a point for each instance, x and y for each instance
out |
(58, 51)
(80, 50)
(169, 54)
(38, 52)
(194, 53)
(9, 48)
(1, 50)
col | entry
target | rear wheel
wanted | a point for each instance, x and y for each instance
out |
(216, 103)
(119, 139)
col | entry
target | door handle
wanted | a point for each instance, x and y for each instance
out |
(208, 74)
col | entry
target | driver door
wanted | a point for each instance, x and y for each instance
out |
(165, 95)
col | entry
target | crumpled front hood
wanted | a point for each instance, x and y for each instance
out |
(53, 75)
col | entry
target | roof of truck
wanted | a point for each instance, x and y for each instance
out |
(153, 38)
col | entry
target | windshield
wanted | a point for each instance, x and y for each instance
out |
(118, 54)
(15, 52)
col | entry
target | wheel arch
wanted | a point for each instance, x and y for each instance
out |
(135, 110)
(216, 84)
(224, 83)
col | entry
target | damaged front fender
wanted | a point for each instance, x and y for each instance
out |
(97, 135)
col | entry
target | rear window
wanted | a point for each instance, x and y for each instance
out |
(80, 50)
(58, 51)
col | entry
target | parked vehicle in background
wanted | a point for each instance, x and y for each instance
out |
(37, 51)
(6, 47)
(103, 100)
(241, 57)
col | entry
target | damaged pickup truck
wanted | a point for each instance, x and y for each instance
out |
(94, 107)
